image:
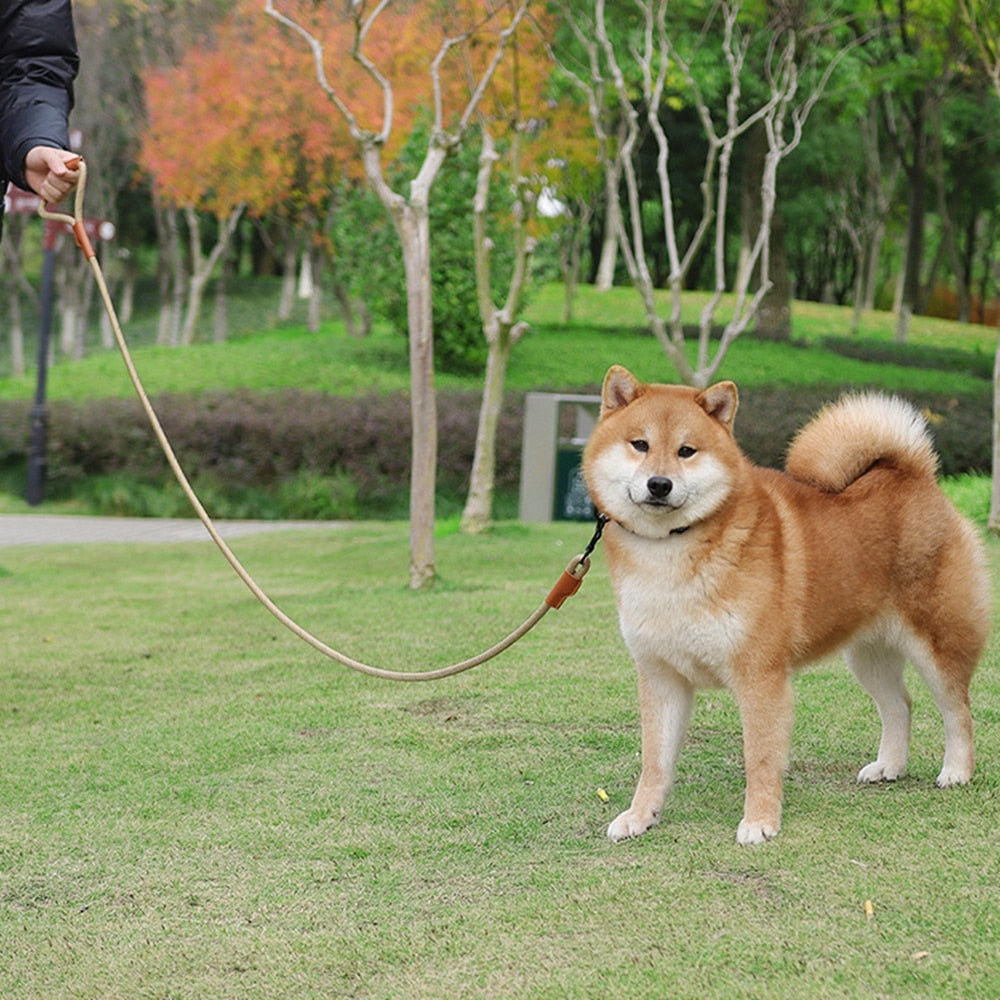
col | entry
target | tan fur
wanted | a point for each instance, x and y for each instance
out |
(733, 575)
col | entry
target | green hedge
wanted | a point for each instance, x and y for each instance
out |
(307, 454)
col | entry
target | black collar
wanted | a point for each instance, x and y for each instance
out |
(603, 519)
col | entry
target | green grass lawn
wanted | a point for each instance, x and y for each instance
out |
(193, 804)
(605, 331)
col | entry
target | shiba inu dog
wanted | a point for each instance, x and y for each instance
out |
(728, 574)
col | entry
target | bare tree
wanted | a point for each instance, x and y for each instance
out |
(501, 327)
(652, 56)
(203, 264)
(862, 204)
(408, 209)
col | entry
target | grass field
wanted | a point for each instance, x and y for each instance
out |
(553, 356)
(193, 804)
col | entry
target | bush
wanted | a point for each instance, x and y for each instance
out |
(314, 455)
(960, 425)
(283, 454)
(313, 497)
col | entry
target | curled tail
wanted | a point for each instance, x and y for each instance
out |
(848, 437)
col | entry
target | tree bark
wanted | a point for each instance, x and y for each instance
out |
(501, 331)
(774, 314)
(411, 217)
(916, 175)
(414, 229)
(612, 227)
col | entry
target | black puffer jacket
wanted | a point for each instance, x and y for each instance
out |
(38, 63)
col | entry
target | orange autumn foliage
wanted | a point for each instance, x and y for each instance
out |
(242, 118)
(237, 122)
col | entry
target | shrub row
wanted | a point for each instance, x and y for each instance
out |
(960, 424)
(306, 454)
(949, 359)
(273, 452)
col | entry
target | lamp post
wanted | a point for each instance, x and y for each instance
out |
(39, 415)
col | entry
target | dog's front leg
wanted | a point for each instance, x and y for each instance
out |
(665, 703)
(766, 713)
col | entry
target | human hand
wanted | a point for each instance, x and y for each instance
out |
(51, 173)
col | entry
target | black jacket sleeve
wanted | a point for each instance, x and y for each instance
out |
(38, 63)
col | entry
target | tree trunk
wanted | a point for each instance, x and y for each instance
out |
(315, 310)
(13, 280)
(501, 328)
(478, 512)
(916, 210)
(220, 318)
(289, 263)
(410, 216)
(612, 227)
(415, 236)
(17, 366)
(774, 314)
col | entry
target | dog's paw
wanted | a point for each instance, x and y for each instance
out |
(630, 824)
(952, 776)
(879, 771)
(756, 832)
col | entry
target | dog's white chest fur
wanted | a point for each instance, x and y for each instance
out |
(670, 617)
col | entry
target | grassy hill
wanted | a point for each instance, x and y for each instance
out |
(607, 329)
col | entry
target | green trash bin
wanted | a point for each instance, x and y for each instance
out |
(572, 501)
(556, 428)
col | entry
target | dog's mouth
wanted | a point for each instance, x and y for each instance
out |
(662, 503)
(652, 502)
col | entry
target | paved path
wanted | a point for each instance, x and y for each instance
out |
(69, 529)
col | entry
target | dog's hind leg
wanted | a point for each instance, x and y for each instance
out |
(950, 688)
(665, 703)
(879, 670)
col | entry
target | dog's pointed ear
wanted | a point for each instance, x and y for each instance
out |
(620, 388)
(721, 401)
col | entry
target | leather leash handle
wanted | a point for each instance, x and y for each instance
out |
(74, 221)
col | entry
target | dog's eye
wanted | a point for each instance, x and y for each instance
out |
(686, 451)
(640, 445)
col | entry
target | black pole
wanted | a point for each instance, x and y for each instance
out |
(39, 420)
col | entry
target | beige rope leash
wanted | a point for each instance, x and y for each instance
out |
(566, 586)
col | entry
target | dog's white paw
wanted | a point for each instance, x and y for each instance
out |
(952, 776)
(879, 771)
(758, 832)
(630, 824)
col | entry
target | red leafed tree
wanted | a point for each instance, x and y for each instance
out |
(381, 64)
(233, 129)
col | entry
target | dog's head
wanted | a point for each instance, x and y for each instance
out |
(662, 457)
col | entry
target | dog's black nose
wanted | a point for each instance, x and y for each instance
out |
(659, 487)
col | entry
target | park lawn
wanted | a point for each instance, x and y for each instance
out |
(607, 329)
(194, 804)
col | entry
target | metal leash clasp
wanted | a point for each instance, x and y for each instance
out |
(569, 583)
